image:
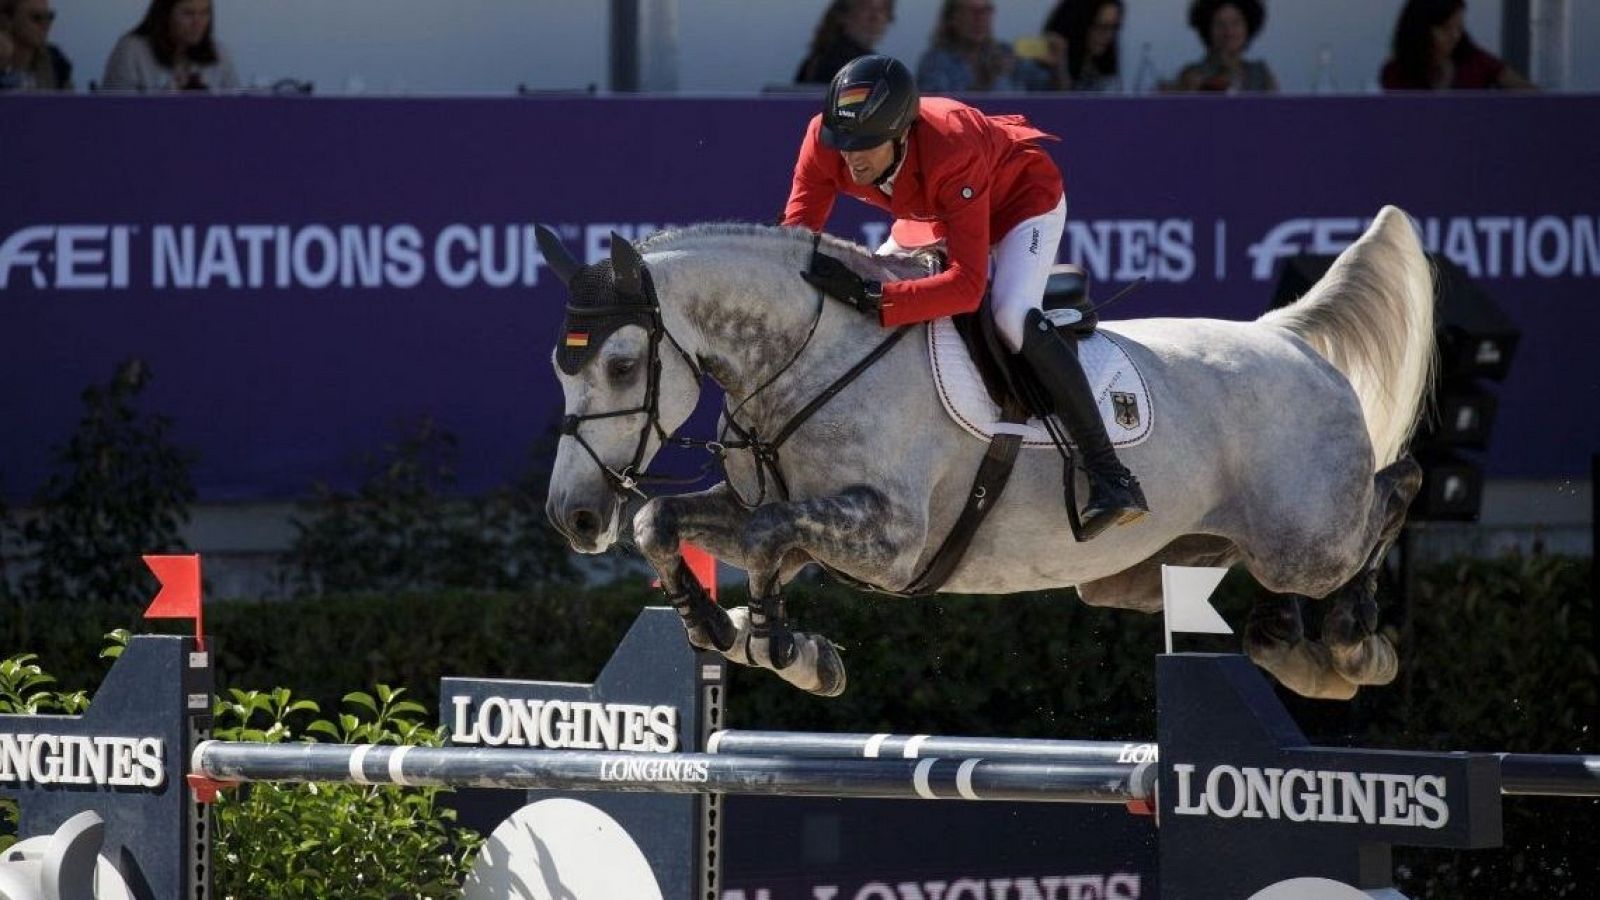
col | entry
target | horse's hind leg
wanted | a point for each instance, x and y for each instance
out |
(1274, 639)
(1351, 652)
(1350, 628)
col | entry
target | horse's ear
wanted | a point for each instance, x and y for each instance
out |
(627, 267)
(556, 255)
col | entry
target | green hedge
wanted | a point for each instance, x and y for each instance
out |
(1498, 655)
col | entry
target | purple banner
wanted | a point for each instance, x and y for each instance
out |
(301, 275)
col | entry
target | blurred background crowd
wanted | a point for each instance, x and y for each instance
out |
(725, 46)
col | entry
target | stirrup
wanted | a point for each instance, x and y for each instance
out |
(1130, 507)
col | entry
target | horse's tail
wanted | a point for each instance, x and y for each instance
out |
(1371, 316)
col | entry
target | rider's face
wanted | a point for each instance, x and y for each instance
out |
(867, 166)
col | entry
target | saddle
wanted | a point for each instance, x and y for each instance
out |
(1008, 379)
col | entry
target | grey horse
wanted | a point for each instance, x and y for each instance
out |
(1282, 446)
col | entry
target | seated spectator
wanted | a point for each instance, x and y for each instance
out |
(171, 49)
(28, 61)
(1090, 29)
(1433, 52)
(849, 28)
(1226, 28)
(965, 56)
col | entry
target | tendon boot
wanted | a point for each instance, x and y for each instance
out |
(1115, 497)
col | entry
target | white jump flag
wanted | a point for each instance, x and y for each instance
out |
(1186, 598)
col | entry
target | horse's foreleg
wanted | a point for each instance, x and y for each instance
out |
(1350, 629)
(851, 530)
(712, 519)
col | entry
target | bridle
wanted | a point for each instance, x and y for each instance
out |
(626, 481)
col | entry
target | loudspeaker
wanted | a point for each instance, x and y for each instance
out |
(1463, 416)
(1452, 488)
(1476, 339)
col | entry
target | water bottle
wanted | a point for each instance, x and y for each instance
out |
(1145, 78)
(1323, 82)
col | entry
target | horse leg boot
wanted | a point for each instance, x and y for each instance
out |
(1115, 497)
(808, 661)
(707, 624)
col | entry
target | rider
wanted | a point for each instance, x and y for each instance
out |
(945, 170)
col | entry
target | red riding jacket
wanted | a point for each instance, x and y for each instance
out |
(966, 177)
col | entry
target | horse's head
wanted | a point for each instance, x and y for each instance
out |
(627, 385)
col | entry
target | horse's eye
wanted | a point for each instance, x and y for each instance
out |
(619, 368)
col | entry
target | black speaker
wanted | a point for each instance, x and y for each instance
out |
(1452, 488)
(1463, 416)
(1476, 339)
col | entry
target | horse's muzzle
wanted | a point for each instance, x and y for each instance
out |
(587, 527)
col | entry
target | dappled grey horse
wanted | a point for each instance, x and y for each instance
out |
(1281, 446)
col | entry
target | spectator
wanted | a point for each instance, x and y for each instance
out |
(171, 49)
(1090, 29)
(849, 28)
(28, 61)
(1432, 51)
(965, 56)
(1226, 28)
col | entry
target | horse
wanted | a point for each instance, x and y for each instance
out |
(1281, 446)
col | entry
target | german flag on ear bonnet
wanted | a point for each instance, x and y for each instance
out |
(595, 310)
(872, 100)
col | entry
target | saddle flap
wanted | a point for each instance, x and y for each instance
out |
(1008, 380)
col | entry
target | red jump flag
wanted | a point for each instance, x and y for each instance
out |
(702, 564)
(180, 591)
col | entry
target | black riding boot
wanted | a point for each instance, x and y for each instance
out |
(1115, 497)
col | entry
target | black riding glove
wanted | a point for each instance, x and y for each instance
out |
(835, 279)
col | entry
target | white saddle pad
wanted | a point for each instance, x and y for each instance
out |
(1119, 389)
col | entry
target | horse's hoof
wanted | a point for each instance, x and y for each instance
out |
(1305, 667)
(1372, 662)
(831, 676)
(816, 668)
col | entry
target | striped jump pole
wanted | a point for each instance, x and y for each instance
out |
(820, 744)
(1549, 775)
(678, 773)
(1521, 774)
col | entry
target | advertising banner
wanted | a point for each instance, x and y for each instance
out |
(304, 275)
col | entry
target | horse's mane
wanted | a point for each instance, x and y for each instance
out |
(788, 239)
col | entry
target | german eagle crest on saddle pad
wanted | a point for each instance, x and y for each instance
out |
(1119, 389)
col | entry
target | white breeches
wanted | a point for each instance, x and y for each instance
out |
(1022, 260)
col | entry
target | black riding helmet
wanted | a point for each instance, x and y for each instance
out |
(872, 100)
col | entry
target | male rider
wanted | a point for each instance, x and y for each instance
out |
(946, 171)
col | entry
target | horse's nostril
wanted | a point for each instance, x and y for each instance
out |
(584, 524)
